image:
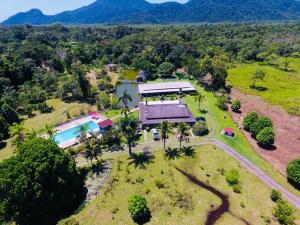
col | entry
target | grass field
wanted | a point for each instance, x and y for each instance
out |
(279, 87)
(126, 180)
(58, 115)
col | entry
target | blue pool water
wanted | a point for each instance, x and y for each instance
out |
(74, 132)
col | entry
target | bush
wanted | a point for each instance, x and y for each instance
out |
(249, 120)
(284, 213)
(159, 184)
(275, 195)
(138, 209)
(266, 136)
(293, 172)
(237, 188)
(232, 177)
(183, 201)
(200, 128)
(236, 106)
(260, 124)
(44, 108)
(222, 103)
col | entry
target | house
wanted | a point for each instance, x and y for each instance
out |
(105, 125)
(141, 77)
(153, 113)
(165, 88)
(228, 132)
(111, 67)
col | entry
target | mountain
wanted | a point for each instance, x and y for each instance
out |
(141, 11)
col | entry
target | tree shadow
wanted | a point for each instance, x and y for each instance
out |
(188, 152)
(203, 111)
(267, 147)
(143, 219)
(141, 159)
(172, 153)
(99, 167)
(3, 144)
(259, 88)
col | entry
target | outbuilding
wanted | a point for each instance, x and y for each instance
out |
(105, 125)
(228, 132)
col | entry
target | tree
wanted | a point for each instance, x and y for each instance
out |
(200, 128)
(166, 69)
(138, 209)
(17, 130)
(128, 126)
(199, 98)
(261, 123)
(164, 131)
(92, 149)
(266, 136)
(236, 105)
(49, 130)
(183, 131)
(249, 120)
(83, 131)
(103, 100)
(258, 75)
(125, 99)
(3, 128)
(275, 195)
(112, 140)
(40, 184)
(222, 103)
(284, 213)
(293, 172)
(83, 83)
(9, 114)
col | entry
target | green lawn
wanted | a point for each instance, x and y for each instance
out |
(126, 180)
(39, 121)
(281, 87)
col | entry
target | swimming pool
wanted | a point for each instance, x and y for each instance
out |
(74, 132)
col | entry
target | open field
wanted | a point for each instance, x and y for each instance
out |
(279, 87)
(127, 180)
(58, 115)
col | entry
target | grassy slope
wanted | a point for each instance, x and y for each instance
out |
(205, 164)
(283, 88)
(58, 115)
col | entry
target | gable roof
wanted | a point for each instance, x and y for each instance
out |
(106, 123)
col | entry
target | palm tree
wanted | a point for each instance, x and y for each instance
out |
(49, 130)
(164, 131)
(125, 99)
(172, 153)
(125, 111)
(17, 130)
(183, 131)
(128, 126)
(92, 149)
(199, 98)
(83, 130)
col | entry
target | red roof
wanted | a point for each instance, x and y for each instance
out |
(106, 123)
(228, 130)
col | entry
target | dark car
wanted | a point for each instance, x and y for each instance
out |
(200, 118)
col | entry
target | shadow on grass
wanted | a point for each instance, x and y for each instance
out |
(267, 147)
(141, 159)
(259, 88)
(188, 151)
(3, 144)
(172, 153)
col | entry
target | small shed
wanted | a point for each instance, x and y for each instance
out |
(228, 132)
(141, 77)
(105, 125)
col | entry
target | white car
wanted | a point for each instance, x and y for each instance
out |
(155, 134)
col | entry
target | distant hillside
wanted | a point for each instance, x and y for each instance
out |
(141, 11)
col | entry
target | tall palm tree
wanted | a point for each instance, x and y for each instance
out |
(164, 131)
(125, 111)
(83, 130)
(183, 131)
(49, 130)
(128, 126)
(125, 99)
(17, 130)
(92, 149)
(199, 98)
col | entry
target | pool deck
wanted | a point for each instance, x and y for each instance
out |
(75, 123)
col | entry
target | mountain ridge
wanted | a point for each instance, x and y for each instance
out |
(141, 11)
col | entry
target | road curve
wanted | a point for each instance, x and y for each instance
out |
(293, 199)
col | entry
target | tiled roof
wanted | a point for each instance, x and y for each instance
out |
(106, 123)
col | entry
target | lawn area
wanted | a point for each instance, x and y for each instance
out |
(58, 115)
(126, 180)
(217, 120)
(280, 87)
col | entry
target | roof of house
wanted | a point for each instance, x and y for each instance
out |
(172, 111)
(106, 123)
(165, 87)
(228, 130)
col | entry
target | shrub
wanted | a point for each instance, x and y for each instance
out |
(200, 128)
(183, 201)
(138, 209)
(159, 184)
(260, 124)
(293, 172)
(249, 120)
(284, 213)
(236, 105)
(222, 103)
(237, 188)
(275, 195)
(232, 177)
(266, 136)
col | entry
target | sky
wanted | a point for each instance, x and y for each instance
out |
(49, 7)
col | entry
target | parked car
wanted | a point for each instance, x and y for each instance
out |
(155, 134)
(200, 118)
